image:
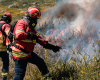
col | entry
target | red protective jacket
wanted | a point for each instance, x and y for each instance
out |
(3, 38)
(27, 44)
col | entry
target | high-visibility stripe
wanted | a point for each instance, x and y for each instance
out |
(34, 41)
(34, 9)
(3, 49)
(37, 34)
(1, 35)
(1, 41)
(28, 40)
(4, 73)
(20, 54)
(7, 31)
(21, 30)
(2, 46)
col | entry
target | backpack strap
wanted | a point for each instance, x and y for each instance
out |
(23, 50)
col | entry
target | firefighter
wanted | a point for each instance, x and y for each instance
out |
(24, 42)
(4, 29)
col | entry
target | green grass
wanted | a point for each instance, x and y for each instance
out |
(20, 5)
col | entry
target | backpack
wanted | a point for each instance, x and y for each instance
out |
(10, 36)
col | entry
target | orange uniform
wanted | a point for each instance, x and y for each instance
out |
(5, 29)
(20, 30)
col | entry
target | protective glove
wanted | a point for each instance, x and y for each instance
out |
(56, 48)
(32, 36)
(52, 47)
(9, 50)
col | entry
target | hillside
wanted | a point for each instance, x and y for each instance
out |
(18, 7)
(71, 24)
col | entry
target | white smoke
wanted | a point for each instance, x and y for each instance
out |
(73, 24)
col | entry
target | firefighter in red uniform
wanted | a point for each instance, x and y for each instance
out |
(4, 29)
(25, 39)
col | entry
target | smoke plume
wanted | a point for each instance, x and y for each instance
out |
(74, 25)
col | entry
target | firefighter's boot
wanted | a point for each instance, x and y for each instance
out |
(4, 75)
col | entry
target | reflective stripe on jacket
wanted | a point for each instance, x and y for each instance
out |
(20, 55)
(4, 74)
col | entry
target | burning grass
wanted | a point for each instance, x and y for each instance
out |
(62, 70)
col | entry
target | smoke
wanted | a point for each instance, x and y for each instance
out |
(96, 10)
(73, 25)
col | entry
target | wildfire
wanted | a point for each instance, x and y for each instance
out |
(71, 24)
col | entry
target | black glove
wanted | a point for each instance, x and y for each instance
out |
(8, 48)
(32, 36)
(52, 47)
(56, 48)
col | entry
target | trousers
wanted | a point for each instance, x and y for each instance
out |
(5, 59)
(20, 66)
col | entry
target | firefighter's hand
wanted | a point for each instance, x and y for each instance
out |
(9, 49)
(56, 48)
(52, 47)
(32, 35)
